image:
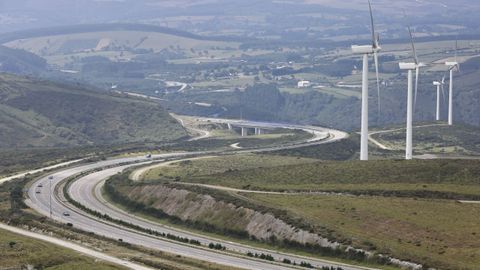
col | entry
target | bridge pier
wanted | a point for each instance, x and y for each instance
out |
(229, 126)
(244, 132)
(258, 131)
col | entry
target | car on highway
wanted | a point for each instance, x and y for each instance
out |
(50, 177)
(66, 214)
(40, 185)
(38, 192)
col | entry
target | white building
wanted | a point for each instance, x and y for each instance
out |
(304, 84)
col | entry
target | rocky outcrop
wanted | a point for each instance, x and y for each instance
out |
(190, 206)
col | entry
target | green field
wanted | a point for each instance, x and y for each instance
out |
(435, 139)
(18, 252)
(60, 49)
(212, 165)
(449, 178)
(438, 233)
(407, 209)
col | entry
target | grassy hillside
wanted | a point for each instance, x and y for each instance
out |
(212, 165)
(43, 114)
(428, 178)
(20, 62)
(19, 252)
(435, 138)
(437, 233)
(408, 209)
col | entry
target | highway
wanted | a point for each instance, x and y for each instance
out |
(86, 190)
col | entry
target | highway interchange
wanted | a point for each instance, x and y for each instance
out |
(86, 190)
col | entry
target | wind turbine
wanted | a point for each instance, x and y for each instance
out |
(451, 66)
(367, 50)
(438, 85)
(410, 67)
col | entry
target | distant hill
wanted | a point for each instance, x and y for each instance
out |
(35, 113)
(20, 61)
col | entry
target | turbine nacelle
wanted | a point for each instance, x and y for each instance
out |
(411, 66)
(407, 66)
(364, 49)
(451, 64)
(437, 83)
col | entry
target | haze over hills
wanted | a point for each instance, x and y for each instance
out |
(314, 18)
(36, 113)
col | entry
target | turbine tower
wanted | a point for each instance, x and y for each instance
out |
(367, 50)
(451, 67)
(438, 85)
(410, 67)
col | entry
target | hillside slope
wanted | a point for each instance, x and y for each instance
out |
(37, 113)
(20, 61)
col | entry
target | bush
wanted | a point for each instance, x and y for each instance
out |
(306, 265)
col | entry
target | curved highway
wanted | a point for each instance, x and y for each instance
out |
(86, 191)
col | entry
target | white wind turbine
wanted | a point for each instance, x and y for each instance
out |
(440, 91)
(438, 85)
(451, 67)
(416, 65)
(367, 50)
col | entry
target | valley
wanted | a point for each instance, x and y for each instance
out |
(221, 134)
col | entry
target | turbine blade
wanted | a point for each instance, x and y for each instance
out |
(415, 58)
(375, 56)
(374, 41)
(417, 74)
(456, 50)
(443, 94)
